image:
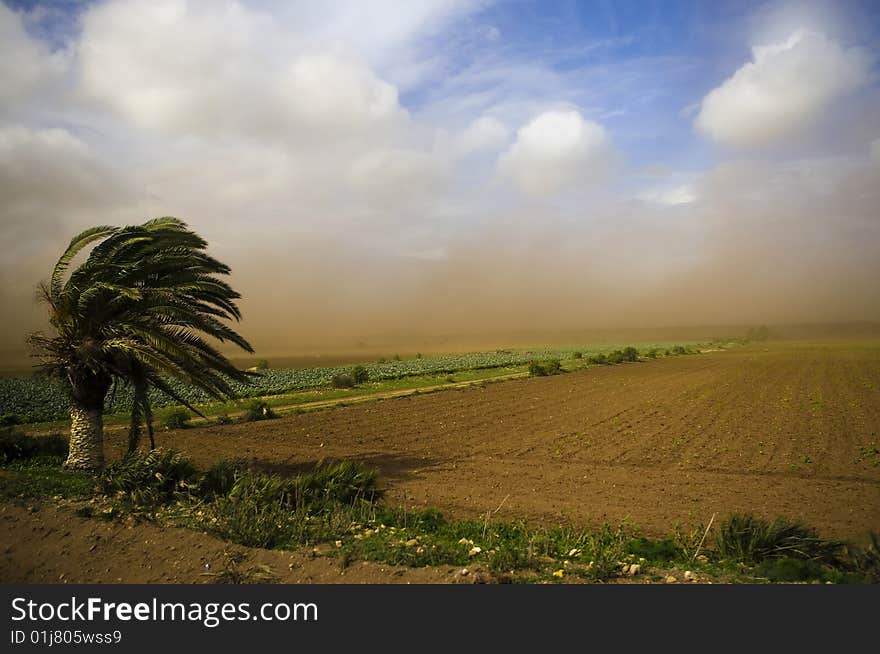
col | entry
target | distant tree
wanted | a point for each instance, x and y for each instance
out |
(135, 312)
(360, 375)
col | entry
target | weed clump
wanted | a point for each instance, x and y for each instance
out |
(177, 419)
(545, 368)
(149, 479)
(258, 410)
(752, 540)
(866, 561)
(343, 380)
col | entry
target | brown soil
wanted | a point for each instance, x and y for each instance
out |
(776, 430)
(771, 430)
(52, 545)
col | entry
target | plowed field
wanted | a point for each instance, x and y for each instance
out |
(788, 428)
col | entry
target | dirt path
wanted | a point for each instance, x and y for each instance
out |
(52, 545)
(772, 430)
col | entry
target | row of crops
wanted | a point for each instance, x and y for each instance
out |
(35, 399)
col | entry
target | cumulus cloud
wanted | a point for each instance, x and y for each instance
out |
(784, 90)
(484, 134)
(557, 150)
(211, 70)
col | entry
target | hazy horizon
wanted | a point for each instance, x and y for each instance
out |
(450, 169)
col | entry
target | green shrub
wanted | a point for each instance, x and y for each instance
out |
(360, 375)
(598, 360)
(150, 479)
(258, 410)
(653, 353)
(577, 355)
(630, 354)
(678, 350)
(342, 380)
(749, 539)
(262, 364)
(177, 419)
(615, 357)
(545, 368)
(16, 446)
(224, 419)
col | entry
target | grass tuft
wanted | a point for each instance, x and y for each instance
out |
(749, 539)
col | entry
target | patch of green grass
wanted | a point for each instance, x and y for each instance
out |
(790, 569)
(42, 478)
(17, 446)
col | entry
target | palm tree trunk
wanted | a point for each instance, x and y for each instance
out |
(86, 439)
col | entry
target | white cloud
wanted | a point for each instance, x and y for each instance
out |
(211, 70)
(485, 133)
(26, 65)
(334, 90)
(557, 150)
(782, 91)
(683, 194)
(398, 178)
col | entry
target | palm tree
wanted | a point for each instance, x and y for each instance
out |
(135, 312)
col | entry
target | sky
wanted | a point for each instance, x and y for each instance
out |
(449, 167)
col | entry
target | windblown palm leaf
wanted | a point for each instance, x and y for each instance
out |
(137, 311)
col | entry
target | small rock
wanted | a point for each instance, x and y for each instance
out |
(464, 572)
(559, 574)
(671, 580)
(476, 549)
(689, 576)
(634, 569)
(412, 542)
(624, 570)
(703, 558)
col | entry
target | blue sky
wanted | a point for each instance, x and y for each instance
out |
(381, 141)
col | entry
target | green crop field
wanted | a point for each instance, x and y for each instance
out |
(35, 399)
